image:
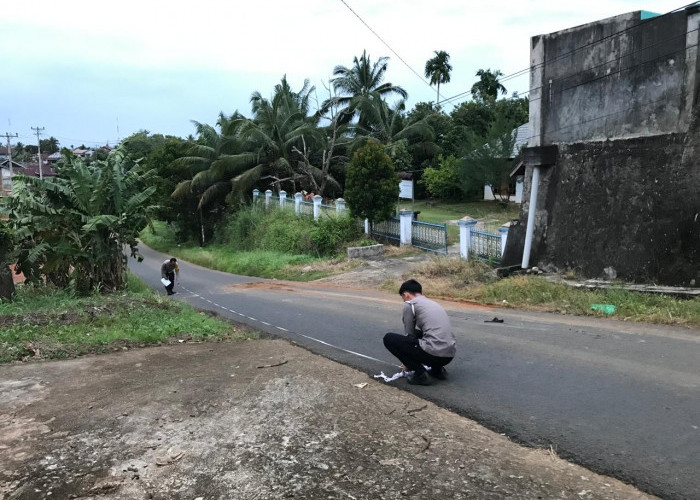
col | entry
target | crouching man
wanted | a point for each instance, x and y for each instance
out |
(428, 341)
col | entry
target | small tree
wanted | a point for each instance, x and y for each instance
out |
(371, 185)
(489, 161)
(443, 181)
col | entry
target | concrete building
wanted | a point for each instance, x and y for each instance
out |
(613, 159)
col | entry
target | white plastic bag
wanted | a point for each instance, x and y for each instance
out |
(165, 282)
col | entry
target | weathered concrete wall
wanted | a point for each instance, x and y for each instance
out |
(624, 113)
(614, 78)
(630, 205)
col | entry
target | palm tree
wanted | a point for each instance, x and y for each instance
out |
(265, 152)
(438, 70)
(388, 124)
(360, 80)
(488, 85)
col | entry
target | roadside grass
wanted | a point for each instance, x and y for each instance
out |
(260, 263)
(54, 324)
(474, 281)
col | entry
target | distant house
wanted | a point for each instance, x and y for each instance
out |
(3, 152)
(53, 158)
(82, 153)
(522, 133)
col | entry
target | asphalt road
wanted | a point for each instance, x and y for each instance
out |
(621, 399)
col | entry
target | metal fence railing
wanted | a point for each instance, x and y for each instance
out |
(388, 229)
(306, 208)
(486, 246)
(429, 236)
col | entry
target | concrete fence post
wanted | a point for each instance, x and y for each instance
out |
(465, 237)
(268, 193)
(283, 199)
(339, 206)
(256, 196)
(366, 226)
(406, 225)
(504, 236)
(297, 203)
(317, 206)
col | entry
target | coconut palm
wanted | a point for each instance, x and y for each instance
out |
(438, 70)
(263, 149)
(360, 81)
(488, 85)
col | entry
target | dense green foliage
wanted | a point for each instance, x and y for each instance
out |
(442, 181)
(371, 185)
(72, 229)
(7, 287)
(253, 228)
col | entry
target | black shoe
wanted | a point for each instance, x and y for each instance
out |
(419, 379)
(439, 373)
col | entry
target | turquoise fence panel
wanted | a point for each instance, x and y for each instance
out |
(429, 236)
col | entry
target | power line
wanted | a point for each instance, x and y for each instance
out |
(387, 45)
(573, 51)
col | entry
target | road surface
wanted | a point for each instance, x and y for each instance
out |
(621, 399)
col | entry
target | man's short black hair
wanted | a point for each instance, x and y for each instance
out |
(173, 259)
(410, 286)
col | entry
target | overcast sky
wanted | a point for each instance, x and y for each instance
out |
(92, 72)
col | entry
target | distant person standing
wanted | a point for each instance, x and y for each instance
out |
(168, 271)
(428, 340)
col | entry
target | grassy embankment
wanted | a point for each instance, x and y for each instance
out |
(454, 279)
(50, 323)
(260, 263)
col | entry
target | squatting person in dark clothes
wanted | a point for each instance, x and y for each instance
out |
(428, 341)
(168, 271)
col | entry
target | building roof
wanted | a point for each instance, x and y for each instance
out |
(522, 135)
(32, 170)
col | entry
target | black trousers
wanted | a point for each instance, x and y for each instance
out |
(170, 277)
(410, 353)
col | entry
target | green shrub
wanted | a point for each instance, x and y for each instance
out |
(332, 233)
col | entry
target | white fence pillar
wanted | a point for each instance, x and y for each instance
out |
(406, 225)
(339, 206)
(268, 193)
(504, 236)
(317, 206)
(256, 196)
(465, 236)
(297, 203)
(283, 199)
(366, 226)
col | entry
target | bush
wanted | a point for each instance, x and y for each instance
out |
(332, 233)
(273, 230)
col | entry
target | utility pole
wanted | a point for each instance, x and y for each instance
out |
(38, 130)
(9, 161)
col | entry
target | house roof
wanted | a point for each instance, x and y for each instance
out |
(522, 136)
(54, 156)
(32, 170)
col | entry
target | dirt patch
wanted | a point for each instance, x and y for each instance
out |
(204, 421)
